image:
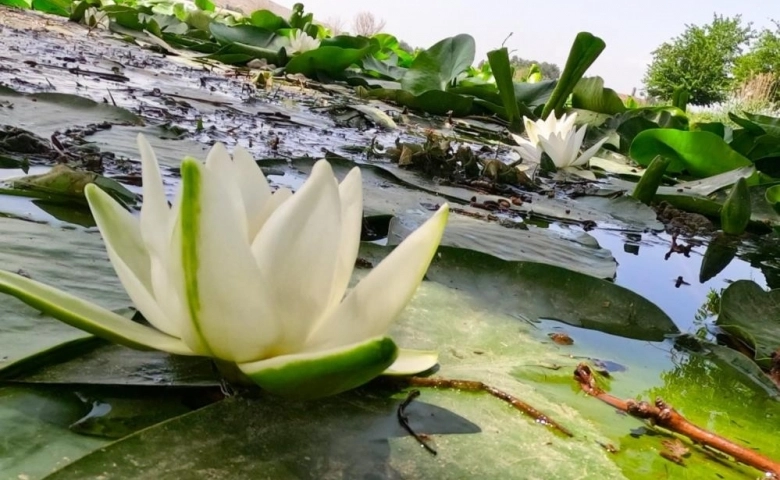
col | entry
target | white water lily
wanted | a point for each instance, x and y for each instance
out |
(558, 138)
(258, 279)
(301, 42)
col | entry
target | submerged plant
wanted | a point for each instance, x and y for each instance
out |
(557, 138)
(257, 279)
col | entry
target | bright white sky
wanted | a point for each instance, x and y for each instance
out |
(544, 29)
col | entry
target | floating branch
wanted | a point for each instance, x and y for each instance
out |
(663, 415)
(476, 386)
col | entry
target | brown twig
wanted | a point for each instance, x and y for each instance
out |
(476, 386)
(404, 421)
(667, 417)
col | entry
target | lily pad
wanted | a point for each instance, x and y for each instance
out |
(752, 315)
(45, 113)
(579, 252)
(74, 261)
(436, 67)
(702, 154)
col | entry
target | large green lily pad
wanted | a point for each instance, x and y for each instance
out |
(75, 261)
(752, 315)
(45, 113)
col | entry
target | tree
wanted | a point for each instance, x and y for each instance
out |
(763, 58)
(700, 60)
(550, 71)
(366, 24)
(336, 25)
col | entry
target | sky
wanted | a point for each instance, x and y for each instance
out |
(543, 30)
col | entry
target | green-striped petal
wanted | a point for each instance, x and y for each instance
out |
(320, 374)
(129, 256)
(376, 301)
(215, 273)
(412, 362)
(88, 316)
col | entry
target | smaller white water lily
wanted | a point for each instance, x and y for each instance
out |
(301, 42)
(558, 138)
(257, 279)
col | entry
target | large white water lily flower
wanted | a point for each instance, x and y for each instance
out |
(558, 138)
(254, 278)
(301, 42)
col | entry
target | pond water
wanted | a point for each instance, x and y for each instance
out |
(80, 395)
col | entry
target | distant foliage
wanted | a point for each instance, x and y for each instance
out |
(550, 71)
(761, 65)
(701, 60)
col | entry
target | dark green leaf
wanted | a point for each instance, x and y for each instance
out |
(268, 20)
(702, 154)
(435, 68)
(590, 94)
(585, 50)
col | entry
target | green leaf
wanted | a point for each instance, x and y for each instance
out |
(752, 315)
(590, 94)
(651, 179)
(772, 196)
(435, 68)
(735, 215)
(680, 98)
(268, 20)
(205, 5)
(720, 252)
(16, 3)
(331, 61)
(701, 154)
(55, 7)
(585, 50)
(502, 71)
(437, 102)
(245, 34)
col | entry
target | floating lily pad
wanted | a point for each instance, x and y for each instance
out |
(752, 315)
(45, 113)
(577, 251)
(74, 261)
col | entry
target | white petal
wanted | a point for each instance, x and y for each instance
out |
(254, 189)
(88, 316)
(128, 254)
(412, 362)
(296, 252)
(351, 195)
(155, 213)
(215, 274)
(555, 147)
(588, 154)
(280, 196)
(376, 301)
(530, 130)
